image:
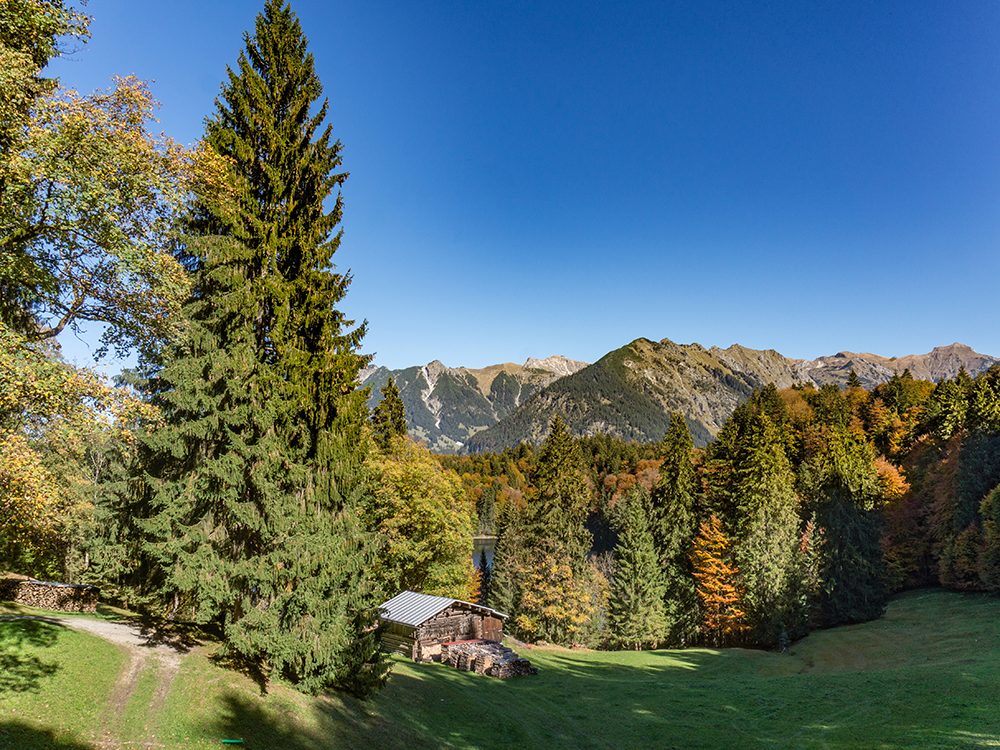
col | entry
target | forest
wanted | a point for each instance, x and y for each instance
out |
(237, 479)
(808, 511)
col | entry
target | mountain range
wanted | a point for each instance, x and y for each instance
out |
(629, 393)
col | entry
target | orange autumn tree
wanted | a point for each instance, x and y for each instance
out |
(722, 618)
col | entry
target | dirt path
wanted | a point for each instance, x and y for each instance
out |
(147, 649)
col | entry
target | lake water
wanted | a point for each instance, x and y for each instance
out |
(481, 543)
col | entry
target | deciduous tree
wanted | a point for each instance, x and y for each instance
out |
(424, 521)
(718, 590)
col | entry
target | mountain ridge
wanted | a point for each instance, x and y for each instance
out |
(629, 392)
(445, 406)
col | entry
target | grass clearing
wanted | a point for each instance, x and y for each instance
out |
(925, 675)
(54, 684)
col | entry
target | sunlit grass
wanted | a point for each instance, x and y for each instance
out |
(926, 675)
(54, 680)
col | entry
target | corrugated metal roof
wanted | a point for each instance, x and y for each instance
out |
(411, 608)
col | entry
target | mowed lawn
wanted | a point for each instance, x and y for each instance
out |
(925, 675)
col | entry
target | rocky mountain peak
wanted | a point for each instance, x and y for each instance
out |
(556, 364)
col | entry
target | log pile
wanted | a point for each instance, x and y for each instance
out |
(485, 657)
(64, 597)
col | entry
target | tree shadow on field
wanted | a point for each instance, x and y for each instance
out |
(241, 717)
(340, 721)
(22, 672)
(15, 735)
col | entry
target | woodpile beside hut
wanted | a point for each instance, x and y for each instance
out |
(485, 657)
(64, 597)
(416, 625)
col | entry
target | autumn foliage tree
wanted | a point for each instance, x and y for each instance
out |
(424, 523)
(88, 194)
(53, 417)
(722, 618)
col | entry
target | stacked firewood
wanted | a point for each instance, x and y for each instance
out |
(485, 657)
(45, 595)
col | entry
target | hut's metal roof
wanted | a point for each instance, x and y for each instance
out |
(411, 608)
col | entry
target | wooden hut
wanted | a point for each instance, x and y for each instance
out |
(416, 625)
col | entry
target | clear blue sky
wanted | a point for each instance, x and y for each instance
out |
(537, 178)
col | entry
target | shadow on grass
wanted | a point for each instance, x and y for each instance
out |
(339, 721)
(21, 672)
(697, 699)
(17, 735)
(181, 637)
(248, 719)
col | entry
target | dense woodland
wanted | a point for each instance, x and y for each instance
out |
(238, 480)
(810, 508)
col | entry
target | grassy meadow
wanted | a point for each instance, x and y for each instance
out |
(925, 675)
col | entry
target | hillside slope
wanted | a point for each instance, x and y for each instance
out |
(631, 392)
(445, 406)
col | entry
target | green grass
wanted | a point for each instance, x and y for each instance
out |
(54, 684)
(926, 675)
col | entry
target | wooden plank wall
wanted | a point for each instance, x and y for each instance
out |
(423, 643)
(451, 624)
(398, 639)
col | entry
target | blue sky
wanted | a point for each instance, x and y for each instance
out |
(537, 178)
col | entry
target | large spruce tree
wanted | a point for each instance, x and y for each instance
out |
(637, 614)
(673, 525)
(254, 485)
(843, 488)
(762, 521)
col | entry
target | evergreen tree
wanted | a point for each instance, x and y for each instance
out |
(843, 486)
(765, 527)
(989, 554)
(637, 615)
(673, 525)
(389, 415)
(560, 498)
(508, 562)
(254, 485)
(946, 409)
(556, 581)
(484, 579)
(853, 381)
(486, 508)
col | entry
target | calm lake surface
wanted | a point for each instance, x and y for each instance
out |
(481, 543)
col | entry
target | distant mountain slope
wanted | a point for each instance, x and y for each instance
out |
(631, 391)
(446, 406)
(942, 362)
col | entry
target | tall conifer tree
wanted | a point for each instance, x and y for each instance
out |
(637, 615)
(255, 483)
(557, 584)
(508, 561)
(389, 415)
(843, 486)
(765, 527)
(673, 526)
(560, 497)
